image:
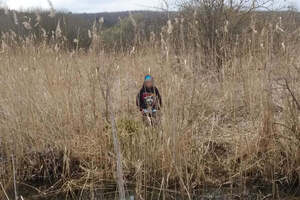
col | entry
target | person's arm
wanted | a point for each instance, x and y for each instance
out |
(139, 101)
(159, 97)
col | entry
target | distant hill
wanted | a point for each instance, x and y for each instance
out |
(75, 25)
(112, 18)
(116, 29)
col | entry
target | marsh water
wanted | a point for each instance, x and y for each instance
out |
(225, 193)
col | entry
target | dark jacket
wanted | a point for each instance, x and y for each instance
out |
(140, 99)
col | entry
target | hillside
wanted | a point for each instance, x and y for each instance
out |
(76, 25)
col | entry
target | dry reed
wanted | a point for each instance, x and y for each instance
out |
(234, 130)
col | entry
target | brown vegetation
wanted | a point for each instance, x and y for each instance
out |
(228, 123)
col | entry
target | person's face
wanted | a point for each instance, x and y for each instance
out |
(148, 84)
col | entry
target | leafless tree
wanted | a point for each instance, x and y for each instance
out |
(215, 22)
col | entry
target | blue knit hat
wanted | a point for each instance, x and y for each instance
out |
(148, 78)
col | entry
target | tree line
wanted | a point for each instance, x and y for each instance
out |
(117, 29)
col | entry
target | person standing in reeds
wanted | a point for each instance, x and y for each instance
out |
(149, 97)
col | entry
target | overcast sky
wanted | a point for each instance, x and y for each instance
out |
(99, 5)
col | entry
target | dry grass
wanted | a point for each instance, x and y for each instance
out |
(234, 127)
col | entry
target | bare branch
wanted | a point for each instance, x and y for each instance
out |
(292, 94)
